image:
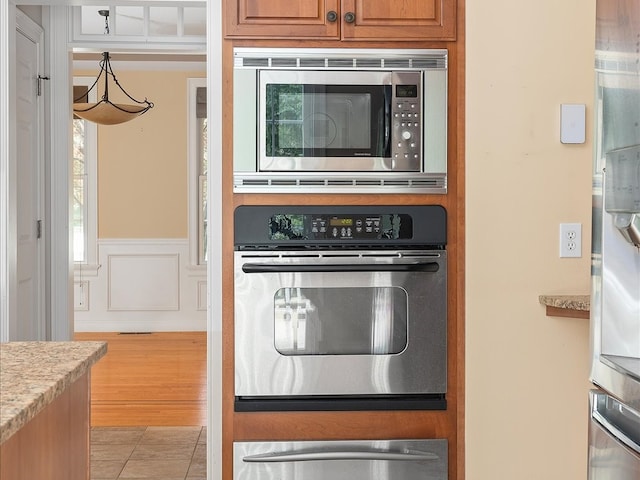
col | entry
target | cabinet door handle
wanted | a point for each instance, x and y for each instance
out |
(349, 17)
(332, 16)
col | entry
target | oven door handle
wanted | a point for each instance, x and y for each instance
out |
(339, 455)
(429, 267)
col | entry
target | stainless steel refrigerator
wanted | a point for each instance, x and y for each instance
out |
(614, 427)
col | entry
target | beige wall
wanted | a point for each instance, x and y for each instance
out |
(526, 374)
(142, 164)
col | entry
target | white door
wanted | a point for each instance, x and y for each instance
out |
(29, 323)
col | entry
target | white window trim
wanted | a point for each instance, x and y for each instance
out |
(90, 266)
(148, 41)
(194, 170)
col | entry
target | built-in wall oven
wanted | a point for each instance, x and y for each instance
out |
(340, 307)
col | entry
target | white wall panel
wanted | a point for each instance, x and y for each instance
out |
(142, 285)
(143, 282)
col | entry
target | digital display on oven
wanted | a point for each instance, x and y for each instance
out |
(406, 91)
(341, 222)
(300, 226)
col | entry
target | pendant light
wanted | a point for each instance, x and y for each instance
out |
(105, 112)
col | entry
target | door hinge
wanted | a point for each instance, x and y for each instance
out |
(39, 229)
(39, 89)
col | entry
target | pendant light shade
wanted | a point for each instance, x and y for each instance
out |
(106, 112)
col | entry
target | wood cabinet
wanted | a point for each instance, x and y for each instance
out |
(348, 20)
(394, 24)
(54, 445)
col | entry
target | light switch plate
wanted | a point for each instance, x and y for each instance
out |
(572, 123)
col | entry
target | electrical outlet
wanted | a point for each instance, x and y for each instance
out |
(570, 240)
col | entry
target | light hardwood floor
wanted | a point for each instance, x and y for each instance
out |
(156, 379)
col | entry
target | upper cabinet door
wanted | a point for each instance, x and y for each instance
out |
(375, 20)
(282, 18)
(398, 19)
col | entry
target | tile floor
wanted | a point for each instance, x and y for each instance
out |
(159, 453)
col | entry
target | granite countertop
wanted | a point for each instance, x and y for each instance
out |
(570, 302)
(33, 374)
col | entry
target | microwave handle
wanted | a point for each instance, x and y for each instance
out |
(338, 455)
(387, 120)
(429, 267)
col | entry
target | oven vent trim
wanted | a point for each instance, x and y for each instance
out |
(270, 249)
(282, 182)
(264, 183)
(331, 59)
(335, 252)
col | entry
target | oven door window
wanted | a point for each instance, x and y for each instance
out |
(340, 321)
(327, 120)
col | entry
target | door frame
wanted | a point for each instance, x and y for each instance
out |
(8, 257)
(59, 289)
(33, 32)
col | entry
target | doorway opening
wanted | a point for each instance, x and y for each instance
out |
(138, 197)
(59, 284)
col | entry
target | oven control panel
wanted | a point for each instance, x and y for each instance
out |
(300, 226)
(341, 227)
(259, 227)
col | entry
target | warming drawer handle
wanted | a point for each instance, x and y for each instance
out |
(340, 455)
(429, 267)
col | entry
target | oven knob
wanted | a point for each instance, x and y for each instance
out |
(406, 135)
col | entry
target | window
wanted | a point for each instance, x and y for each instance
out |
(83, 222)
(154, 24)
(198, 166)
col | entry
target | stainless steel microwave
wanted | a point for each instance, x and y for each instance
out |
(340, 120)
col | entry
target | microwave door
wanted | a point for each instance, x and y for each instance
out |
(325, 127)
(338, 125)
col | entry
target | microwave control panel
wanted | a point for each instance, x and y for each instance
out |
(406, 113)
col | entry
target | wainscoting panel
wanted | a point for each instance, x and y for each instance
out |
(142, 285)
(143, 282)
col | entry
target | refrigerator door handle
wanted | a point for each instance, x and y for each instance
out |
(623, 433)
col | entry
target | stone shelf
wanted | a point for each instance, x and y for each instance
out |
(573, 306)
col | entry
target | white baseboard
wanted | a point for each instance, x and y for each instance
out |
(142, 285)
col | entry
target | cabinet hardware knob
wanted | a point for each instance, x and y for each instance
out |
(349, 17)
(332, 16)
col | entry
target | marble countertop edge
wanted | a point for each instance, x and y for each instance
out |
(34, 374)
